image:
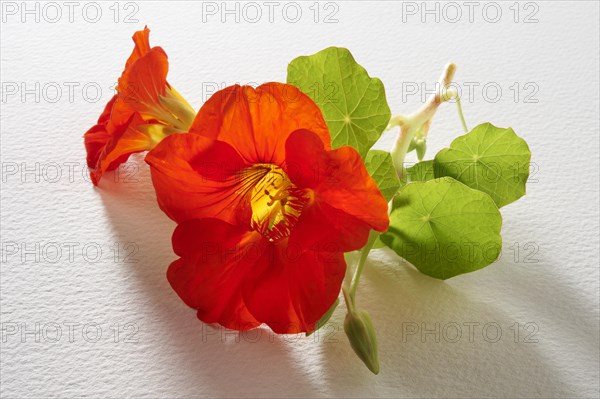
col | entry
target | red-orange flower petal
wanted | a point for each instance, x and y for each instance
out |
(100, 134)
(143, 98)
(141, 38)
(238, 279)
(126, 140)
(215, 259)
(96, 137)
(290, 289)
(111, 142)
(196, 177)
(347, 202)
(140, 87)
(257, 122)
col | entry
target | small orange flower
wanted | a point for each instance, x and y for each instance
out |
(144, 111)
(266, 209)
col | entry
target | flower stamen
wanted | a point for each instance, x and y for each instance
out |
(275, 201)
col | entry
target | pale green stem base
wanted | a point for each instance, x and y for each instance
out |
(364, 254)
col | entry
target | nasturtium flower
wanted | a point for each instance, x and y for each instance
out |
(144, 110)
(265, 209)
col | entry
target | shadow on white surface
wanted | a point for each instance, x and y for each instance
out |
(202, 360)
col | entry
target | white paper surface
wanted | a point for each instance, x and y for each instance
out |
(54, 221)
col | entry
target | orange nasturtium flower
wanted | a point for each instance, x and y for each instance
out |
(144, 111)
(265, 209)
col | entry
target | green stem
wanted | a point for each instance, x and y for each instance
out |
(364, 254)
(460, 113)
(348, 299)
(420, 120)
(400, 149)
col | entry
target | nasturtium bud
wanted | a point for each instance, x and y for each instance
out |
(421, 147)
(361, 334)
(412, 145)
(418, 143)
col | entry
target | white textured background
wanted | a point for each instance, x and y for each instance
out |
(551, 283)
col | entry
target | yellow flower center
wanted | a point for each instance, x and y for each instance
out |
(275, 201)
(171, 110)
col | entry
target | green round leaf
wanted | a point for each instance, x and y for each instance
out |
(444, 228)
(381, 168)
(353, 104)
(421, 171)
(489, 159)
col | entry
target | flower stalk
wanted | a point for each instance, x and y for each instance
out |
(364, 254)
(419, 122)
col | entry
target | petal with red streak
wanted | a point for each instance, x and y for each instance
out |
(347, 202)
(196, 177)
(140, 86)
(257, 122)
